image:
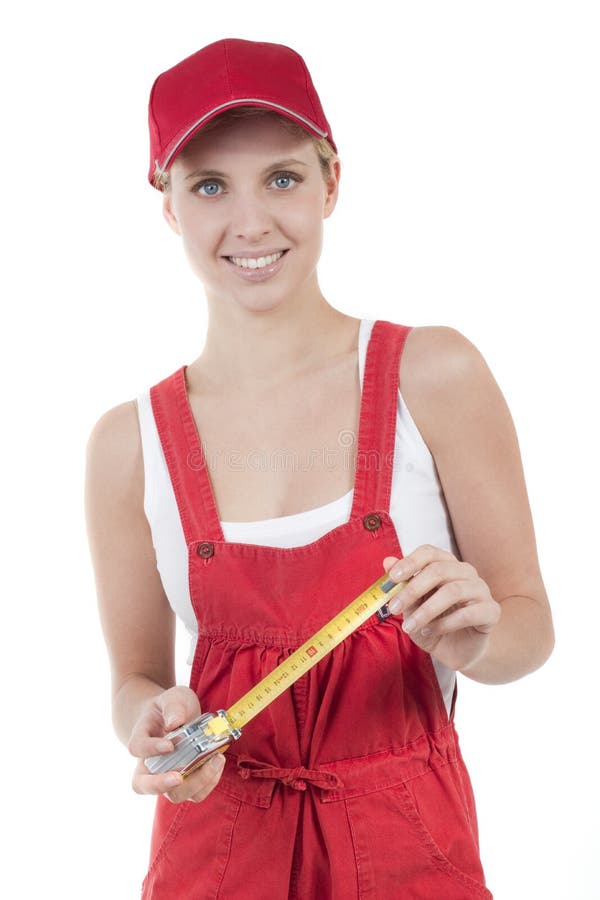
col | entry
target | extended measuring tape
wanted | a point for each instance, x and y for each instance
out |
(196, 742)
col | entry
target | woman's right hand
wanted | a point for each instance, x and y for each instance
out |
(162, 714)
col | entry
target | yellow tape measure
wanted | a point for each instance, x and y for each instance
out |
(306, 656)
(196, 742)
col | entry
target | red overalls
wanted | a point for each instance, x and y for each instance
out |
(351, 784)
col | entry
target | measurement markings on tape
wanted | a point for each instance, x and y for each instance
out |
(309, 654)
(197, 741)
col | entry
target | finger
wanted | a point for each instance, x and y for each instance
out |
(440, 603)
(426, 581)
(144, 745)
(417, 560)
(481, 617)
(197, 786)
(411, 608)
(145, 783)
(471, 617)
(178, 707)
(148, 729)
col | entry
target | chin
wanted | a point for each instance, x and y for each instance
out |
(261, 303)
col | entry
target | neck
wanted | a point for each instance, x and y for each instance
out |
(250, 350)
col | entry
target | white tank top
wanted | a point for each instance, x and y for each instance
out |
(417, 508)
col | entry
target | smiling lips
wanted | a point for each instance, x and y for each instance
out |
(252, 262)
(258, 268)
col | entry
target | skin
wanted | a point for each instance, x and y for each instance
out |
(487, 613)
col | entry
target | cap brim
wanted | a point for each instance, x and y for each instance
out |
(196, 127)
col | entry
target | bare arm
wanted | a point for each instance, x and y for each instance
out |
(465, 421)
(136, 618)
(138, 623)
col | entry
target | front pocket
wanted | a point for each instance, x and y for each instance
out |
(443, 821)
(191, 846)
(420, 849)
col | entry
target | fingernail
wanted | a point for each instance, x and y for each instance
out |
(408, 625)
(164, 746)
(216, 763)
(395, 605)
(398, 573)
(172, 780)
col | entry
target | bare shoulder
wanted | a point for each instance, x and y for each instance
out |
(114, 482)
(432, 346)
(114, 451)
(441, 371)
(117, 428)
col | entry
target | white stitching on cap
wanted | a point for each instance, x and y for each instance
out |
(162, 169)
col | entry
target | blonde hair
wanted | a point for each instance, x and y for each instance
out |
(325, 151)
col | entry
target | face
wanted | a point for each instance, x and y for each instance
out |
(249, 200)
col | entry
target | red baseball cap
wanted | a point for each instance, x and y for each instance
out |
(220, 76)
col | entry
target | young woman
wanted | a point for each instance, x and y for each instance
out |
(257, 490)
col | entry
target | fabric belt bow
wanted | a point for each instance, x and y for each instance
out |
(296, 778)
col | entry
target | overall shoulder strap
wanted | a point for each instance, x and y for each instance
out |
(377, 425)
(185, 459)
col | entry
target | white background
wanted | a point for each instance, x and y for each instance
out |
(469, 140)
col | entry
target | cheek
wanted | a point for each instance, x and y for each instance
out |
(200, 242)
(200, 234)
(306, 220)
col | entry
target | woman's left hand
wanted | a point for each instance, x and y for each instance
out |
(448, 609)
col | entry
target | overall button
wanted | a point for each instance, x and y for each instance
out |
(206, 549)
(372, 522)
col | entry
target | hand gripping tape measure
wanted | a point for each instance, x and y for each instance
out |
(199, 740)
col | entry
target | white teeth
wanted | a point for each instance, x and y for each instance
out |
(260, 263)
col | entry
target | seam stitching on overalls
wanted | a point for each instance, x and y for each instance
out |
(433, 851)
(227, 855)
(169, 837)
(359, 893)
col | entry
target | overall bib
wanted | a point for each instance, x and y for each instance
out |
(351, 784)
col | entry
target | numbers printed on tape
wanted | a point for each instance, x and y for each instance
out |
(306, 656)
(197, 741)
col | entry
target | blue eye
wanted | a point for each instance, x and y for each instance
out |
(207, 184)
(213, 188)
(289, 177)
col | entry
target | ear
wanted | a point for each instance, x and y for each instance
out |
(332, 188)
(168, 212)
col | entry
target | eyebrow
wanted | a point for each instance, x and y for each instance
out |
(213, 173)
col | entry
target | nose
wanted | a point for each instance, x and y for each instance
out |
(251, 218)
